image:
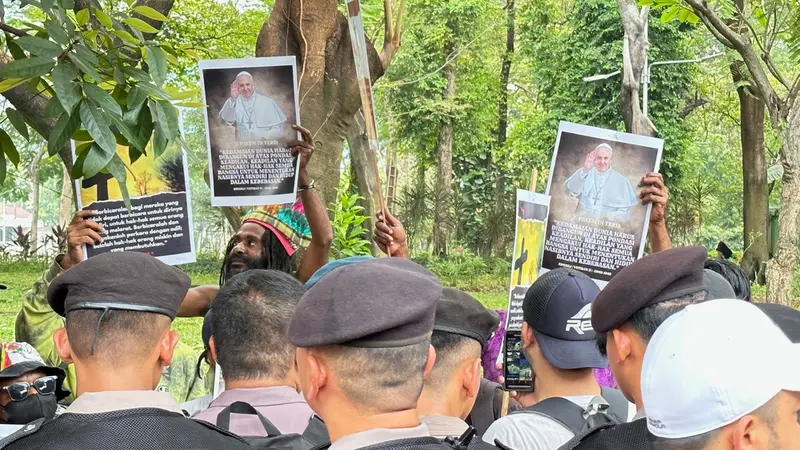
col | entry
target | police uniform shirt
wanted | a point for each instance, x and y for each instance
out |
(443, 426)
(378, 436)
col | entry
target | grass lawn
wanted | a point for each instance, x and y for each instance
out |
(20, 276)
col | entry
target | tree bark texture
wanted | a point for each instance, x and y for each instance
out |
(781, 269)
(33, 173)
(66, 204)
(363, 162)
(317, 34)
(444, 168)
(634, 63)
(754, 179)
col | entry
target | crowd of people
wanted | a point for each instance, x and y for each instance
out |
(374, 353)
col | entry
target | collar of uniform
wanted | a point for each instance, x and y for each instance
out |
(640, 414)
(108, 401)
(266, 396)
(377, 436)
(442, 426)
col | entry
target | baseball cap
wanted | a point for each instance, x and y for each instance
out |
(558, 306)
(711, 364)
(717, 285)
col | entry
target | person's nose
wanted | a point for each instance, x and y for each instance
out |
(239, 248)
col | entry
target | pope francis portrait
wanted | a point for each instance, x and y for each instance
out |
(255, 116)
(602, 192)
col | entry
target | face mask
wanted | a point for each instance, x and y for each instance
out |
(32, 408)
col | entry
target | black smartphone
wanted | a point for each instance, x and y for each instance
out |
(516, 368)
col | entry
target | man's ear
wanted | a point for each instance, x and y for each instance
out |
(212, 348)
(471, 377)
(431, 360)
(746, 435)
(528, 338)
(622, 344)
(62, 345)
(317, 373)
(166, 347)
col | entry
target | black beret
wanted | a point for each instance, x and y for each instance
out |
(380, 303)
(459, 313)
(785, 317)
(126, 281)
(656, 278)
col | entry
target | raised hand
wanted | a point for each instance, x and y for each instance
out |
(82, 231)
(589, 162)
(234, 91)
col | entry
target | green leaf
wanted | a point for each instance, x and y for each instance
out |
(77, 165)
(184, 95)
(11, 83)
(150, 13)
(96, 159)
(63, 130)
(670, 13)
(116, 167)
(81, 135)
(85, 67)
(56, 32)
(86, 54)
(68, 4)
(135, 97)
(47, 5)
(7, 146)
(67, 89)
(191, 104)
(82, 17)
(27, 68)
(96, 124)
(127, 37)
(166, 116)
(53, 108)
(2, 169)
(39, 46)
(103, 99)
(103, 18)
(139, 24)
(156, 64)
(130, 134)
(159, 144)
(18, 121)
(15, 50)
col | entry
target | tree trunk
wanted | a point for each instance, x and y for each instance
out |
(634, 63)
(66, 203)
(33, 173)
(781, 269)
(754, 177)
(363, 162)
(444, 168)
(317, 34)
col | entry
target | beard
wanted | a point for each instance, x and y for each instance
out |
(244, 264)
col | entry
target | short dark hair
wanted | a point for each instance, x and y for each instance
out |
(380, 379)
(451, 351)
(122, 337)
(647, 320)
(250, 323)
(734, 275)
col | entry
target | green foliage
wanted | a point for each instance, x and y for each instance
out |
(89, 64)
(466, 271)
(348, 232)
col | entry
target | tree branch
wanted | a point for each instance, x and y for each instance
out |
(8, 28)
(388, 32)
(774, 71)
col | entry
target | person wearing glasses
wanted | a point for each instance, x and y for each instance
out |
(29, 388)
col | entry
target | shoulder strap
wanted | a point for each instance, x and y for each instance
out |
(576, 441)
(316, 432)
(617, 403)
(224, 417)
(561, 410)
(28, 429)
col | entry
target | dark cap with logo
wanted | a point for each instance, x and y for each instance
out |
(378, 303)
(656, 278)
(459, 313)
(558, 306)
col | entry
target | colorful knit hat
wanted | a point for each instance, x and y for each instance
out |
(287, 221)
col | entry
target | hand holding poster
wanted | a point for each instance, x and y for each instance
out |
(597, 224)
(251, 106)
(532, 211)
(159, 222)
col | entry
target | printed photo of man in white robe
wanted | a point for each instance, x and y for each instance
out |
(602, 192)
(254, 115)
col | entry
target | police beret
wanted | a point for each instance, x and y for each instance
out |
(381, 303)
(459, 313)
(126, 281)
(656, 278)
(333, 265)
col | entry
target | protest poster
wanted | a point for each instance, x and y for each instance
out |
(526, 261)
(251, 105)
(597, 224)
(159, 222)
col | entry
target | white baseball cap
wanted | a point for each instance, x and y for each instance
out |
(713, 363)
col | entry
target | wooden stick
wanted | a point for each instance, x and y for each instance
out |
(534, 179)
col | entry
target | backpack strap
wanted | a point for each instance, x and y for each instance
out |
(224, 417)
(316, 432)
(561, 410)
(617, 403)
(576, 440)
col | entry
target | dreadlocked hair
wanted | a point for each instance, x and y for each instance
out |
(273, 255)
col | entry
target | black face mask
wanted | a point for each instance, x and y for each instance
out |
(32, 408)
